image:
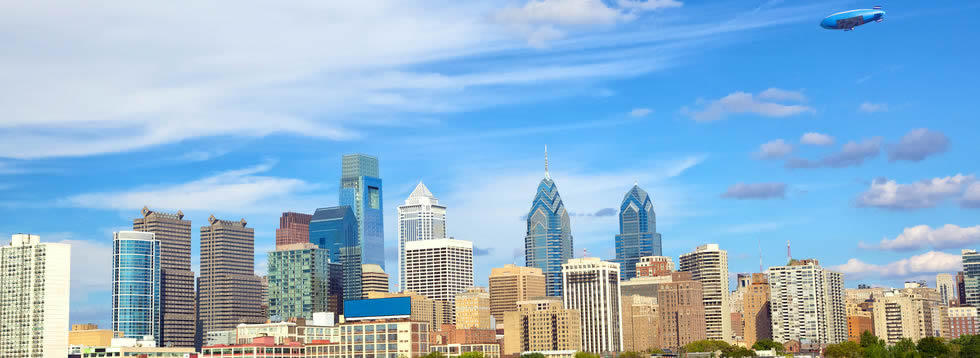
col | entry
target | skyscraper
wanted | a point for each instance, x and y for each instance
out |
(373, 279)
(34, 291)
(681, 311)
(439, 269)
(511, 284)
(136, 284)
(228, 292)
(335, 230)
(301, 282)
(946, 288)
(807, 303)
(294, 228)
(971, 277)
(756, 310)
(177, 306)
(638, 235)
(548, 243)
(709, 265)
(360, 189)
(592, 288)
(421, 218)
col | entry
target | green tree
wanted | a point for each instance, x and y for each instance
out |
(471, 355)
(532, 355)
(767, 344)
(581, 354)
(630, 354)
(434, 355)
(706, 345)
(843, 350)
(737, 352)
(904, 348)
(875, 351)
(654, 351)
(932, 347)
(968, 346)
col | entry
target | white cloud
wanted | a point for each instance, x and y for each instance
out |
(648, 5)
(640, 112)
(917, 237)
(971, 198)
(928, 263)
(774, 149)
(868, 107)
(742, 103)
(561, 12)
(756, 191)
(813, 138)
(890, 194)
(918, 144)
(852, 154)
(781, 95)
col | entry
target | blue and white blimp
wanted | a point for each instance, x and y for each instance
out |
(848, 20)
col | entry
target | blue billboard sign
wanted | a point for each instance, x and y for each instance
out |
(394, 307)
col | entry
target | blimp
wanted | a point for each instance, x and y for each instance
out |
(848, 20)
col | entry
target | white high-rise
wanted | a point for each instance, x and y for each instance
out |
(439, 269)
(946, 288)
(421, 218)
(709, 265)
(34, 291)
(591, 286)
(807, 303)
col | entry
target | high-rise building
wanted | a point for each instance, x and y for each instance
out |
(963, 320)
(650, 266)
(895, 318)
(591, 286)
(932, 314)
(228, 291)
(439, 269)
(756, 310)
(681, 311)
(473, 308)
(360, 189)
(960, 288)
(971, 277)
(421, 218)
(136, 284)
(335, 230)
(946, 288)
(859, 318)
(638, 235)
(177, 296)
(548, 243)
(640, 321)
(541, 325)
(511, 284)
(34, 291)
(373, 279)
(294, 228)
(807, 303)
(423, 309)
(709, 265)
(302, 280)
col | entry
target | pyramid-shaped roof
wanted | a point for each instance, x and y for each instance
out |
(421, 191)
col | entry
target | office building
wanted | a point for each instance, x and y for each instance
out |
(473, 308)
(591, 286)
(360, 189)
(439, 269)
(373, 279)
(295, 330)
(542, 324)
(391, 337)
(757, 322)
(511, 284)
(335, 229)
(136, 284)
(177, 305)
(807, 303)
(652, 266)
(963, 320)
(34, 291)
(971, 277)
(895, 318)
(90, 335)
(646, 286)
(449, 334)
(709, 265)
(548, 243)
(946, 288)
(302, 280)
(638, 235)
(294, 228)
(420, 218)
(434, 312)
(640, 323)
(681, 307)
(229, 292)
(930, 311)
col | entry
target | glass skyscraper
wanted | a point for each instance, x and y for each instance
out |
(335, 230)
(971, 277)
(360, 189)
(638, 235)
(302, 280)
(136, 284)
(548, 243)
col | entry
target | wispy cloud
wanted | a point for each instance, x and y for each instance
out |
(819, 139)
(851, 154)
(640, 112)
(917, 145)
(774, 149)
(764, 104)
(869, 107)
(756, 191)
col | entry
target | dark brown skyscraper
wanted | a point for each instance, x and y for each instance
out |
(176, 278)
(229, 292)
(294, 228)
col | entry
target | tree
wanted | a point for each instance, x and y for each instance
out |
(706, 345)
(532, 355)
(869, 339)
(968, 346)
(471, 355)
(434, 355)
(904, 348)
(846, 349)
(630, 354)
(767, 344)
(653, 351)
(737, 352)
(932, 347)
(581, 354)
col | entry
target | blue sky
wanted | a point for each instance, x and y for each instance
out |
(747, 123)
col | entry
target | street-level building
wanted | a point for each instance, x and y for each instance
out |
(963, 320)
(489, 350)
(260, 347)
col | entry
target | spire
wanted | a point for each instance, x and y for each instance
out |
(546, 174)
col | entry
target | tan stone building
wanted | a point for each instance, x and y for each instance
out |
(511, 284)
(373, 279)
(756, 310)
(423, 308)
(90, 335)
(473, 308)
(177, 294)
(895, 318)
(542, 324)
(681, 311)
(229, 291)
(708, 264)
(640, 323)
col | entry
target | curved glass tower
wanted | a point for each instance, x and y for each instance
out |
(136, 284)
(548, 243)
(638, 235)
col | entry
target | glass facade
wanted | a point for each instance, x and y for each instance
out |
(360, 189)
(335, 229)
(548, 243)
(971, 277)
(300, 283)
(136, 284)
(638, 235)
